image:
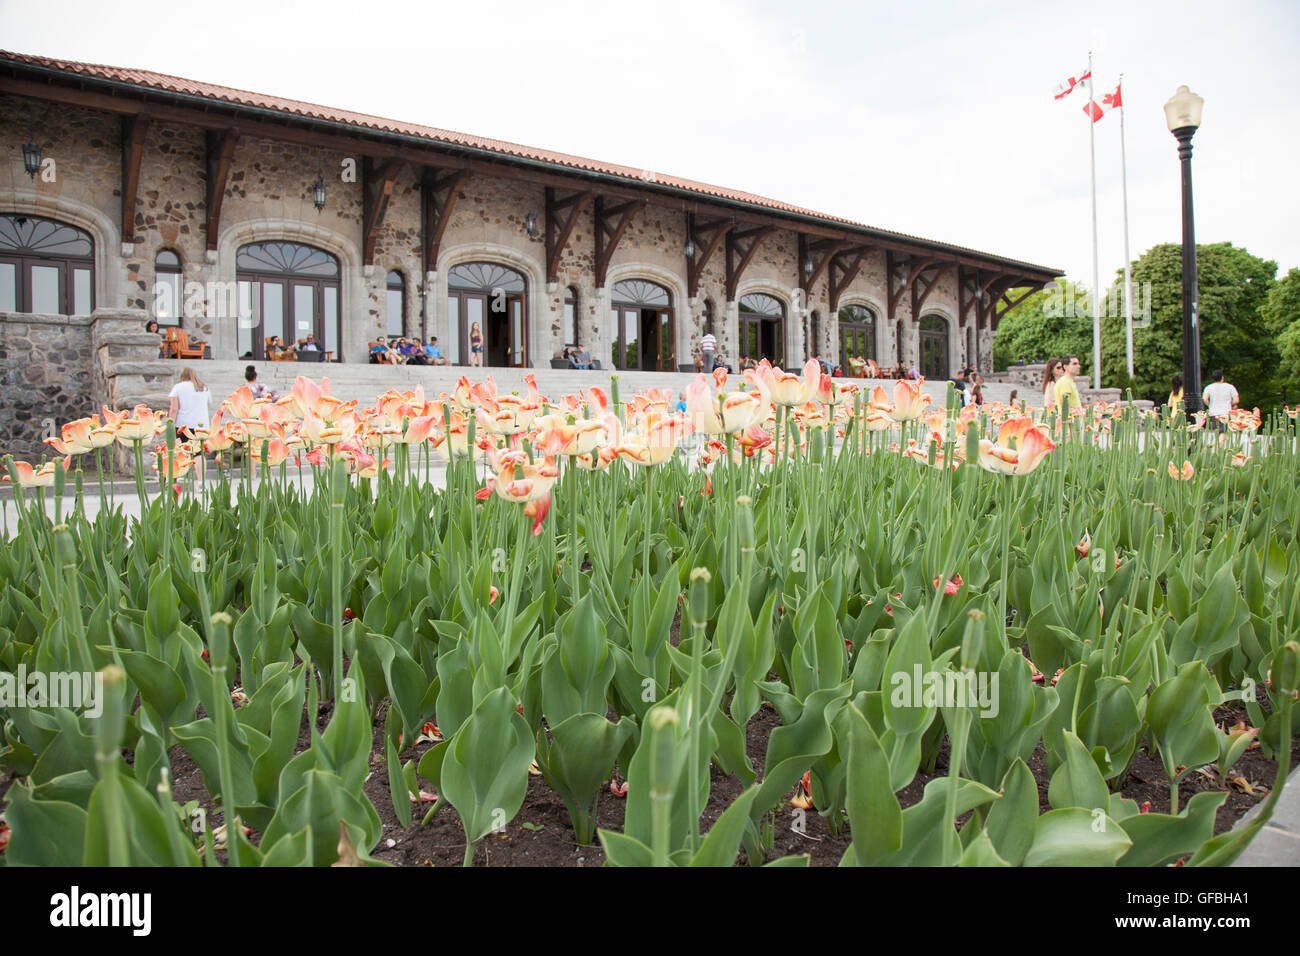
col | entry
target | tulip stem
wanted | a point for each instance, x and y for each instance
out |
(1006, 552)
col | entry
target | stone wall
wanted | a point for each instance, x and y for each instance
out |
(268, 198)
(45, 379)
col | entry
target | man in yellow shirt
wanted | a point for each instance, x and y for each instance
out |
(1065, 384)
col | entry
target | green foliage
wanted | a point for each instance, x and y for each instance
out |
(1052, 322)
(1281, 314)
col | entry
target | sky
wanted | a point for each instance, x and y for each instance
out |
(935, 119)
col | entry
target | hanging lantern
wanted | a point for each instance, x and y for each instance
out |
(530, 225)
(318, 193)
(32, 158)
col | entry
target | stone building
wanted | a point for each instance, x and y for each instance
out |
(237, 216)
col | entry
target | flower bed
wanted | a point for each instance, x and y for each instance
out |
(953, 635)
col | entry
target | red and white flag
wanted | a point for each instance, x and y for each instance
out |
(1108, 102)
(1068, 85)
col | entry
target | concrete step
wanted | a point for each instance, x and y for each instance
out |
(365, 382)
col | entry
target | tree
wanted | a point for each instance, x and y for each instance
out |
(1281, 314)
(1051, 323)
(1232, 286)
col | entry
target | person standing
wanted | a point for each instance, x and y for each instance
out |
(709, 351)
(1175, 402)
(1050, 375)
(1220, 399)
(1065, 386)
(191, 405)
(476, 346)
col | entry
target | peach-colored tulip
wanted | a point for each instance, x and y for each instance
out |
(1185, 474)
(1033, 446)
(908, 400)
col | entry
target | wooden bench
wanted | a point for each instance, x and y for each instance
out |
(177, 344)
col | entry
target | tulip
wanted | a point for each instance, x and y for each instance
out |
(76, 437)
(42, 477)
(1185, 474)
(787, 388)
(908, 400)
(728, 412)
(950, 587)
(1033, 447)
(180, 463)
(655, 440)
(1084, 545)
(142, 424)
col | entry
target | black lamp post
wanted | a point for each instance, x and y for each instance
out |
(1183, 114)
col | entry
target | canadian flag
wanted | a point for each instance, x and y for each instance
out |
(1068, 85)
(1108, 102)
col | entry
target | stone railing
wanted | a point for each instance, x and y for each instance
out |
(57, 368)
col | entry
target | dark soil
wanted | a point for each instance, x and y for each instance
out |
(541, 834)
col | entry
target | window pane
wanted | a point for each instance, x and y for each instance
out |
(45, 289)
(516, 332)
(665, 342)
(570, 323)
(331, 297)
(167, 301)
(81, 291)
(395, 324)
(304, 311)
(244, 326)
(272, 309)
(8, 287)
(451, 348)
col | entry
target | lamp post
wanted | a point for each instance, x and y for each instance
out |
(1183, 114)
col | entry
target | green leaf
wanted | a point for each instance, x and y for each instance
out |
(1076, 837)
(1011, 820)
(485, 772)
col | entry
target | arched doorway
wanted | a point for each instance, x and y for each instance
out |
(290, 290)
(492, 297)
(45, 266)
(641, 313)
(857, 334)
(934, 347)
(762, 327)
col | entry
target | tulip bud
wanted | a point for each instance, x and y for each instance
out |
(972, 444)
(60, 478)
(698, 592)
(972, 645)
(745, 524)
(1285, 676)
(816, 445)
(65, 549)
(112, 723)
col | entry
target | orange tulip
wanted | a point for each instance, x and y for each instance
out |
(76, 437)
(786, 388)
(42, 477)
(1033, 446)
(1185, 474)
(908, 400)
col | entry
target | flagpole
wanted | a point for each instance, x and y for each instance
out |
(1096, 288)
(1128, 276)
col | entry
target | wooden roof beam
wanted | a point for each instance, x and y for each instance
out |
(134, 129)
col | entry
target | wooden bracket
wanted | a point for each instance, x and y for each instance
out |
(741, 246)
(848, 263)
(134, 129)
(706, 237)
(561, 216)
(439, 190)
(611, 223)
(377, 180)
(219, 159)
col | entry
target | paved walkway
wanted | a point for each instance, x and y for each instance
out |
(1278, 843)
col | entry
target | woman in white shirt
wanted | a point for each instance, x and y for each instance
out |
(191, 405)
(1049, 382)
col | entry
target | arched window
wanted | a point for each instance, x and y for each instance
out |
(762, 327)
(168, 303)
(857, 333)
(45, 267)
(571, 316)
(641, 313)
(934, 347)
(289, 290)
(493, 297)
(396, 299)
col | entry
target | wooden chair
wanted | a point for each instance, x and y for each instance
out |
(178, 343)
(286, 355)
(329, 356)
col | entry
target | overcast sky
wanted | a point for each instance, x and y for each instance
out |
(930, 118)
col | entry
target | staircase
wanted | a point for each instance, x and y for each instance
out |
(365, 382)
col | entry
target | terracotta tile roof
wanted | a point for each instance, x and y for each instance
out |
(161, 82)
